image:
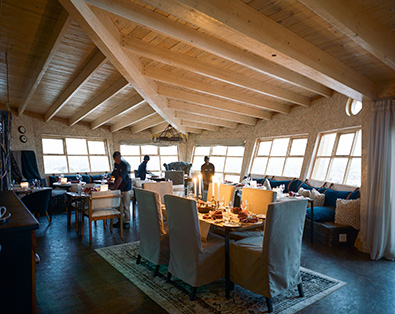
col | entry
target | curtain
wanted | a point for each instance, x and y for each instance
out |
(379, 233)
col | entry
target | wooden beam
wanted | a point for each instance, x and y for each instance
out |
(147, 123)
(193, 130)
(181, 61)
(254, 31)
(171, 28)
(139, 113)
(212, 102)
(95, 63)
(205, 119)
(253, 100)
(159, 128)
(93, 104)
(53, 44)
(102, 31)
(200, 126)
(123, 108)
(351, 19)
(206, 111)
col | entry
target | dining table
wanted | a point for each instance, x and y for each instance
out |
(79, 199)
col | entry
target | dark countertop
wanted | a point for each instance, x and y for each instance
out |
(21, 219)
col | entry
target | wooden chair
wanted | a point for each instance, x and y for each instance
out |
(39, 203)
(102, 206)
(226, 192)
(259, 199)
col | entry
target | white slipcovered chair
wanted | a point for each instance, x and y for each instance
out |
(102, 206)
(162, 188)
(259, 199)
(195, 262)
(226, 192)
(270, 264)
(154, 236)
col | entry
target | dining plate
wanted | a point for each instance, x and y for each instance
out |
(232, 224)
(261, 216)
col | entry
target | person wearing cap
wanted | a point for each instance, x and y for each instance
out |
(124, 183)
(207, 170)
(142, 170)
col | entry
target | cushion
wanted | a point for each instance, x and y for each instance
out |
(294, 185)
(306, 186)
(304, 192)
(318, 198)
(322, 213)
(102, 212)
(331, 196)
(96, 177)
(276, 184)
(86, 178)
(348, 213)
(354, 195)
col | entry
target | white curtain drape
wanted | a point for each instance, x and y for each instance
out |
(378, 236)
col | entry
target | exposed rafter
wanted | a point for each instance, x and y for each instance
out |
(205, 119)
(135, 115)
(102, 31)
(203, 41)
(95, 63)
(195, 65)
(248, 28)
(351, 19)
(200, 126)
(93, 104)
(159, 128)
(147, 123)
(256, 100)
(212, 102)
(54, 42)
(192, 130)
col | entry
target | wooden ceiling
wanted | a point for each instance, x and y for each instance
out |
(197, 64)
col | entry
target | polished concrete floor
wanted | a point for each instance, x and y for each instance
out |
(73, 278)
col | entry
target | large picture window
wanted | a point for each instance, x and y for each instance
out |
(279, 156)
(75, 155)
(159, 155)
(338, 158)
(227, 160)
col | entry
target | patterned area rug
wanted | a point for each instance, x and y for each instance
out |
(174, 296)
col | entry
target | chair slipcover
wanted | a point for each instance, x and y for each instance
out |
(162, 188)
(226, 191)
(154, 239)
(196, 263)
(259, 199)
(39, 202)
(270, 264)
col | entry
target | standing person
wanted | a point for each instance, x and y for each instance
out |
(124, 183)
(207, 171)
(142, 170)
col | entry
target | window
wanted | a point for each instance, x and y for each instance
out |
(338, 158)
(279, 156)
(73, 155)
(353, 107)
(159, 155)
(227, 160)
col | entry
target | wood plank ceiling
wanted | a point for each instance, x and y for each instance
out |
(196, 64)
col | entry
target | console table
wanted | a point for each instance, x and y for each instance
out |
(17, 257)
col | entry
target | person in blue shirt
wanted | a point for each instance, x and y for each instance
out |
(142, 170)
(124, 183)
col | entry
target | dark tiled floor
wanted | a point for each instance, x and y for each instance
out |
(73, 278)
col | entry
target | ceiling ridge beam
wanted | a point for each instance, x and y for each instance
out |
(195, 65)
(130, 104)
(351, 19)
(212, 102)
(147, 123)
(254, 31)
(205, 119)
(257, 101)
(96, 102)
(198, 125)
(53, 44)
(76, 83)
(196, 38)
(206, 111)
(139, 114)
(102, 31)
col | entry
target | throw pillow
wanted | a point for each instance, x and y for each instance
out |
(304, 192)
(348, 212)
(267, 185)
(319, 199)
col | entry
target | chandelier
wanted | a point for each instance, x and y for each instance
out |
(169, 134)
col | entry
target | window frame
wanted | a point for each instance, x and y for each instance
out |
(357, 132)
(87, 139)
(224, 173)
(141, 155)
(286, 156)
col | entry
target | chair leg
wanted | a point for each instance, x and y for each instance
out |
(192, 296)
(76, 221)
(49, 220)
(300, 289)
(269, 304)
(82, 225)
(121, 225)
(168, 279)
(111, 225)
(105, 223)
(90, 232)
(156, 272)
(138, 261)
